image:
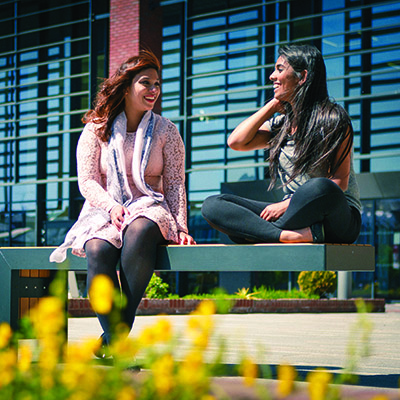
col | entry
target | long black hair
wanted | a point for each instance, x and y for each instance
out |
(319, 124)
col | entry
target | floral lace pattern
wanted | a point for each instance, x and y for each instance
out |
(164, 173)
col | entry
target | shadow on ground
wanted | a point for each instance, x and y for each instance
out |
(268, 371)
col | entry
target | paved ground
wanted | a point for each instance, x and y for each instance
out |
(305, 341)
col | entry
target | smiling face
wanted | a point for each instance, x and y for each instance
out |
(143, 92)
(285, 80)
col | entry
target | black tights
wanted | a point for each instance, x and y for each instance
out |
(318, 200)
(137, 259)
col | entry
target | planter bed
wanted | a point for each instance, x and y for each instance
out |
(81, 307)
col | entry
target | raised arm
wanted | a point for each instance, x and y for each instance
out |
(251, 134)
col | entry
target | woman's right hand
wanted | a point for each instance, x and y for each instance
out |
(117, 215)
(250, 133)
(274, 211)
(277, 106)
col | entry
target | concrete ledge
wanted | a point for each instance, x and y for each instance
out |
(82, 308)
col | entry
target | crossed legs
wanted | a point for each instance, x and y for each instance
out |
(318, 200)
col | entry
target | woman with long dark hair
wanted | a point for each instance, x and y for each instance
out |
(310, 138)
(131, 174)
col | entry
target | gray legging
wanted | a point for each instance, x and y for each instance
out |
(318, 200)
(137, 261)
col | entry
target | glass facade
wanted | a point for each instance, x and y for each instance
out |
(217, 58)
(48, 63)
(381, 226)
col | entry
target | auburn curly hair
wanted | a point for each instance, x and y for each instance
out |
(110, 100)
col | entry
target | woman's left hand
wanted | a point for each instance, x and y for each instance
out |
(185, 238)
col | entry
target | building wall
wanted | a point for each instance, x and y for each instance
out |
(134, 25)
(124, 31)
(45, 88)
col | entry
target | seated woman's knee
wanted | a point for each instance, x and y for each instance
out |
(210, 206)
(142, 228)
(322, 185)
(97, 248)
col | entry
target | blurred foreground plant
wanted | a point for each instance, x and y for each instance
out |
(62, 371)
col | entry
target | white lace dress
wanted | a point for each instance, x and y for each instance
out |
(164, 173)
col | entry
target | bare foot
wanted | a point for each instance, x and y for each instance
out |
(299, 236)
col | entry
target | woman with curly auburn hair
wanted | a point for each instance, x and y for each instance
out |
(131, 174)
(310, 138)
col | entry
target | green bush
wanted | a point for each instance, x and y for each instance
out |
(320, 283)
(273, 294)
(157, 288)
(258, 293)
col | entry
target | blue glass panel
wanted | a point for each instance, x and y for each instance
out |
(244, 16)
(209, 23)
(171, 30)
(332, 4)
(332, 24)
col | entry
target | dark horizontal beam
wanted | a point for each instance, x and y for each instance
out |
(214, 257)
(267, 257)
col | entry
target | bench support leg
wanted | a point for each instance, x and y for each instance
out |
(9, 303)
(344, 285)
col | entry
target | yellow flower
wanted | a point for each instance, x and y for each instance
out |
(8, 360)
(380, 397)
(163, 369)
(80, 396)
(48, 316)
(25, 358)
(101, 294)
(163, 330)
(5, 334)
(50, 353)
(77, 374)
(147, 337)
(286, 376)
(125, 349)
(71, 376)
(192, 372)
(201, 324)
(319, 381)
(206, 307)
(81, 378)
(126, 393)
(82, 352)
(199, 329)
(249, 371)
(159, 332)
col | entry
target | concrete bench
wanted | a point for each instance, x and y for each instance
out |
(25, 272)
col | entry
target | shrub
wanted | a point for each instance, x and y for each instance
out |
(244, 293)
(320, 283)
(157, 288)
(273, 294)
